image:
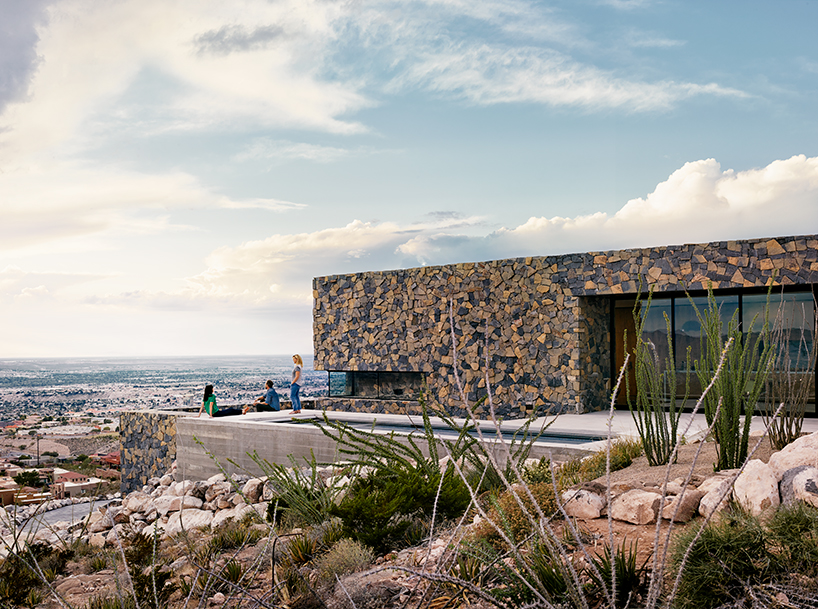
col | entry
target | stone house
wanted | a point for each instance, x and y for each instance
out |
(541, 332)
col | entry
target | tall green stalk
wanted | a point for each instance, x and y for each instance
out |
(655, 412)
(741, 382)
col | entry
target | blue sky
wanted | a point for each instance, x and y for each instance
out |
(173, 173)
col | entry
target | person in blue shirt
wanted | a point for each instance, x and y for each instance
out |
(269, 402)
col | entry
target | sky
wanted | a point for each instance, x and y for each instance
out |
(173, 173)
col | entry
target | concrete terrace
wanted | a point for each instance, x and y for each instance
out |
(203, 444)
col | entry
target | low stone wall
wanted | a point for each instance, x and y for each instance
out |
(148, 446)
(343, 404)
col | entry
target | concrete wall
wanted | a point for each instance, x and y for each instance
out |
(540, 326)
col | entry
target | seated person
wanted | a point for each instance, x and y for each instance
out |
(269, 402)
(209, 406)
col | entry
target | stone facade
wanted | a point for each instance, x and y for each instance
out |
(538, 328)
(148, 449)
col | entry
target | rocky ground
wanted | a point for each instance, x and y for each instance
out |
(187, 516)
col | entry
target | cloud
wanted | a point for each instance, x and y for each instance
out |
(201, 65)
(285, 150)
(18, 284)
(699, 202)
(235, 38)
(66, 200)
(18, 47)
(224, 67)
(489, 74)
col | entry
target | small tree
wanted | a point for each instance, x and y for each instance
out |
(655, 412)
(28, 478)
(741, 382)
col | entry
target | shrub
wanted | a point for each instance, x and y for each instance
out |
(729, 554)
(233, 535)
(630, 577)
(793, 533)
(301, 549)
(507, 514)
(345, 557)
(380, 508)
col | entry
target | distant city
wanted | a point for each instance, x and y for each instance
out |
(96, 386)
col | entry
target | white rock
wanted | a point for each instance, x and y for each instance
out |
(97, 540)
(583, 504)
(804, 451)
(805, 486)
(636, 506)
(261, 509)
(756, 489)
(166, 480)
(716, 497)
(186, 502)
(188, 520)
(138, 502)
(217, 478)
(222, 516)
(217, 489)
(163, 503)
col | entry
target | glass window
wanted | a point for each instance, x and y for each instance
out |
(340, 384)
(655, 328)
(372, 385)
(688, 332)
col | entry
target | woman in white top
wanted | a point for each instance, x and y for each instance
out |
(296, 385)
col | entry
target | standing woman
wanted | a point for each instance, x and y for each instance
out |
(296, 383)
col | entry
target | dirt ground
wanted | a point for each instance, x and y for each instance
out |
(641, 475)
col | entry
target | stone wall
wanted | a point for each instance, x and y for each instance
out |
(148, 446)
(539, 327)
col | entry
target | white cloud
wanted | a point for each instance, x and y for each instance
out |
(92, 52)
(285, 150)
(63, 200)
(490, 75)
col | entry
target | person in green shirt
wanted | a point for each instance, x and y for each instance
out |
(209, 405)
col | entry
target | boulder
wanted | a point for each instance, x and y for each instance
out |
(101, 524)
(636, 506)
(163, 503)
(252, 489)
(804, 451)
(184, 502)
(216, 478)
(166, 480)
(785, 490)
(261, 509)
(97, 540)
(188, 520)
(756, 489)
(688, 504)
(217, 489)
(138, 502)
(805, 486)
(221, 517)
(716, 495)
(198, 489)
(583, 504)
